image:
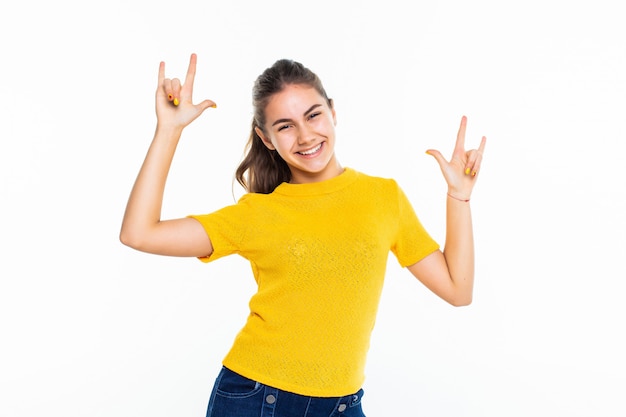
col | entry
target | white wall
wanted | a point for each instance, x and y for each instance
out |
(92, 328)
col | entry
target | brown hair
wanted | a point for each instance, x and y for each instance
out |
(262, 169)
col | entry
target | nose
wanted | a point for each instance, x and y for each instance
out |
(305, 135)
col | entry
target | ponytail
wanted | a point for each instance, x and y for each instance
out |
(266, 170)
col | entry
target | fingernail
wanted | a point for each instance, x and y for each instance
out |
(214, 106)
(169, 97)
(467, 171)
(176, 102)
(473, 173)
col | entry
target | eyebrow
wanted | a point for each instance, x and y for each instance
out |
(313, 107)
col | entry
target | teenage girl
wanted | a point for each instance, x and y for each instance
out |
(317, 236)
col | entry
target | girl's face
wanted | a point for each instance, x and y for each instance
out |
(300, 126)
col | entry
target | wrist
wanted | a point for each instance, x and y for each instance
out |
(169, 129)
(458, 197)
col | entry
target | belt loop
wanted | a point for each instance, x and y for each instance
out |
(270, 398)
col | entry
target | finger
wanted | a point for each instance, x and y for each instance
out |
(438, 156)
(161, 73)
(460, 137)
(481, 148)
(206, 104)
(166, 85)
(475, 158)
(162, 82)
(473, 162)
(191, 72)
(175, 91)
(480, 152)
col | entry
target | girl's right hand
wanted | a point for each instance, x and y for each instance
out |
(174, 105)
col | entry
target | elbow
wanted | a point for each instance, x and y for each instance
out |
(461, 301)
(125, 238)
(456, 299)
(129, 239)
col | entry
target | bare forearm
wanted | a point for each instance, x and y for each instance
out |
(143, 209)
(452, 276)
(459, 247)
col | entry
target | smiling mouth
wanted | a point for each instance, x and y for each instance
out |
(311, 151)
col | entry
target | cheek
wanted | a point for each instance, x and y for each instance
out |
(329, 125)
(283, 140)
(323, 125)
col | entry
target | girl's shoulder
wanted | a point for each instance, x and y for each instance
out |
(377, 183)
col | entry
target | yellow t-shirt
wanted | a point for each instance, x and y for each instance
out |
(318, 254)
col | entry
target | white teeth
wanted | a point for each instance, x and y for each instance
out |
(312, 151)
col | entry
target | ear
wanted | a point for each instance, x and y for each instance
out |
(264, 138)
(332, 110)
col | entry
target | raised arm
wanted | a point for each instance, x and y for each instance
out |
(450, 274)
(142, 227)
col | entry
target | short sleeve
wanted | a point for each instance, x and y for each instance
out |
(226, 228)
(412, 242)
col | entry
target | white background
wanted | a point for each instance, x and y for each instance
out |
(89, 327)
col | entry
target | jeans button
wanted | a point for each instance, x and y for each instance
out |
(342, 408)
(270, 399)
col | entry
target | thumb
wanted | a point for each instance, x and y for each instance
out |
(438, 156)
(206, 104)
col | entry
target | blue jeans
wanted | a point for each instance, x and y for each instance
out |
(236, 396)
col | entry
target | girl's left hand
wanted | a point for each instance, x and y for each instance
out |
(462, 170)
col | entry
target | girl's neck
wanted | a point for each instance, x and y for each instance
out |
(332, 170)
